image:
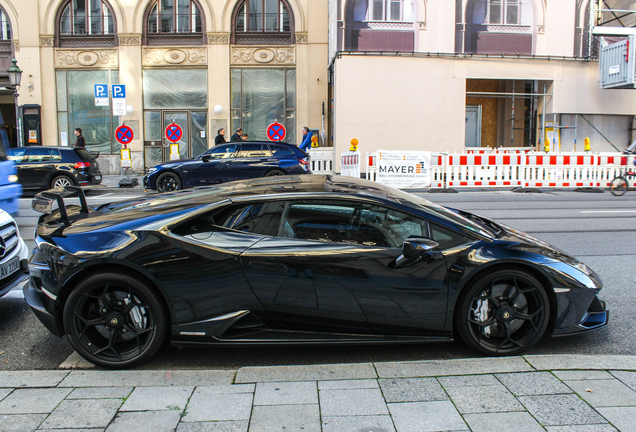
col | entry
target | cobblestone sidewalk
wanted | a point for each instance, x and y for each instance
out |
(525, 394)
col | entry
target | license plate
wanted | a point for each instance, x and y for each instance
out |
(9, 268)
(98, 177)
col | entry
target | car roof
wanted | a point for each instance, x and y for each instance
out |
(46, 147)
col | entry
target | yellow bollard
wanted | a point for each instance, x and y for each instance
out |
(314, 141)
(354, 145)
(587, 146)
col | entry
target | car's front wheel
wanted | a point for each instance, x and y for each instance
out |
(114, 320)
(168, 182)
(504, 312)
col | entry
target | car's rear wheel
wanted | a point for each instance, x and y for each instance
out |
(273, 173)
(504, 312)
(61, 181)
(618, 186)
(114, 320)
(168, 182)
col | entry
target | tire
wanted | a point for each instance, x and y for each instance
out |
(61, 181)
(273, 173)
(618, 186)
(114, 320)
(504, 312)
(168, 182)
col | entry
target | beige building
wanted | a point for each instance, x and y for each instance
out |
(444, 75)
(203, 64)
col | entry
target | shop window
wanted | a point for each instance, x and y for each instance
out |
(262, 96)
(262, 21)
(85, 23)
(174, 22)
(76, 109)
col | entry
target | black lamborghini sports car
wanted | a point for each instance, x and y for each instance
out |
(296, 260)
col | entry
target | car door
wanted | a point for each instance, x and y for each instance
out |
(330, 268)
(37, 167)
(216, 169)
(252, 160)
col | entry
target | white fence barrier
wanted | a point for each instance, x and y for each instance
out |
(321, 160)
(350, 164)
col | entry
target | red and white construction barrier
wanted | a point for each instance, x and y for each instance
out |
(350, 164)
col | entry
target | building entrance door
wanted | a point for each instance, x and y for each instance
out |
(193, 142)
(473, 126)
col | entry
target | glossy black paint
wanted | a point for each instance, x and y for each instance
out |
(238, 165)
(228, 286)
(37, 172)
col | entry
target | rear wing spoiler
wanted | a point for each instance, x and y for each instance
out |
(43, 202)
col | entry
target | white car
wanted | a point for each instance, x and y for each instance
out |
(14, 255)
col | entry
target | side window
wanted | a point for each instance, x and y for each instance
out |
(223, 152)
(39, 155)
(18, 155)
(252, 151)
(447, 238)
(262, 218)
(56, 156)
(278, 151)
(350, 223)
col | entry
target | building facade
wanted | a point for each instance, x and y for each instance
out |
(203, 64)
(451, 74)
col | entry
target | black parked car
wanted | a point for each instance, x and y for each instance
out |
(228, 162)
(296, 260)
(44, 167)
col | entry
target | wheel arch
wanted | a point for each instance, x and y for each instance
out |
(515, 265)
(73, 280)
(58, 173)
(172, 171)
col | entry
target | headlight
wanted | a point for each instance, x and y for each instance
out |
(151, 170)
(13, 178)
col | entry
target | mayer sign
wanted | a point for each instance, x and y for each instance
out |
(404, 169)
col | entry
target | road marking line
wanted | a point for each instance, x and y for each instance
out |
(609, 211)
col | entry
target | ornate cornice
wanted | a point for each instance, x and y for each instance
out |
(16, 45)
(175, 56)
(47, 40)
(302, 38)
(422, 25)
(263, 56)
(86, 58)
(219, 38)
(129, 39)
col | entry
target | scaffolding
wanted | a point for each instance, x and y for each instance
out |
(611, 18)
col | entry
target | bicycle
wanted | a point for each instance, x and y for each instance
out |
(620, 184)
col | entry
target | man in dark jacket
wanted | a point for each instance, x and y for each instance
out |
(237, 136)
(80, 142)
(220, 138)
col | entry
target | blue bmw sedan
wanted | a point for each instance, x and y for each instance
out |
(228, 162)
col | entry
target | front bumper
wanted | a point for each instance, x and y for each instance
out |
(578, 313)
(15, 279)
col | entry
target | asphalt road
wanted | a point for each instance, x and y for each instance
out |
(599, 229)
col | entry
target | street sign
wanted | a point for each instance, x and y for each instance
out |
(126, 161)
(276, 132)
(101, 94)
(119, 91)
(174, 152)
(119, 107)
(124, 134)
(174, 133)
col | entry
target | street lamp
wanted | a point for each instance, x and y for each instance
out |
(15, 77)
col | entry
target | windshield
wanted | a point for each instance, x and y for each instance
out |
(420, 203)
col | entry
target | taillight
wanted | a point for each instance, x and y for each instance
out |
(80, 165)
(303, 161)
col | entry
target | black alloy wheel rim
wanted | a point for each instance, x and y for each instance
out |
(507, 314)
(113, 323)
(168, 184)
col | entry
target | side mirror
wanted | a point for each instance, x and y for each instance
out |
(412, 250)
(206, 158)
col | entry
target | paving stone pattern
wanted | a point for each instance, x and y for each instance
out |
(402, 397)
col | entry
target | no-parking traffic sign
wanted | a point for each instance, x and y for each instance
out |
(276, 132)
(174, 133)
(124, 134)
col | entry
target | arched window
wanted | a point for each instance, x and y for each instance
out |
(5, 27)
(263, 21)
(174, 22)
(86, 17)
(85, 23)
(390, 10)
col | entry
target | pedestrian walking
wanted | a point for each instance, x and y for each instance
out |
(237, 135)
(305, 145)
(80, 142)
(220, 138)
(245, 137)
